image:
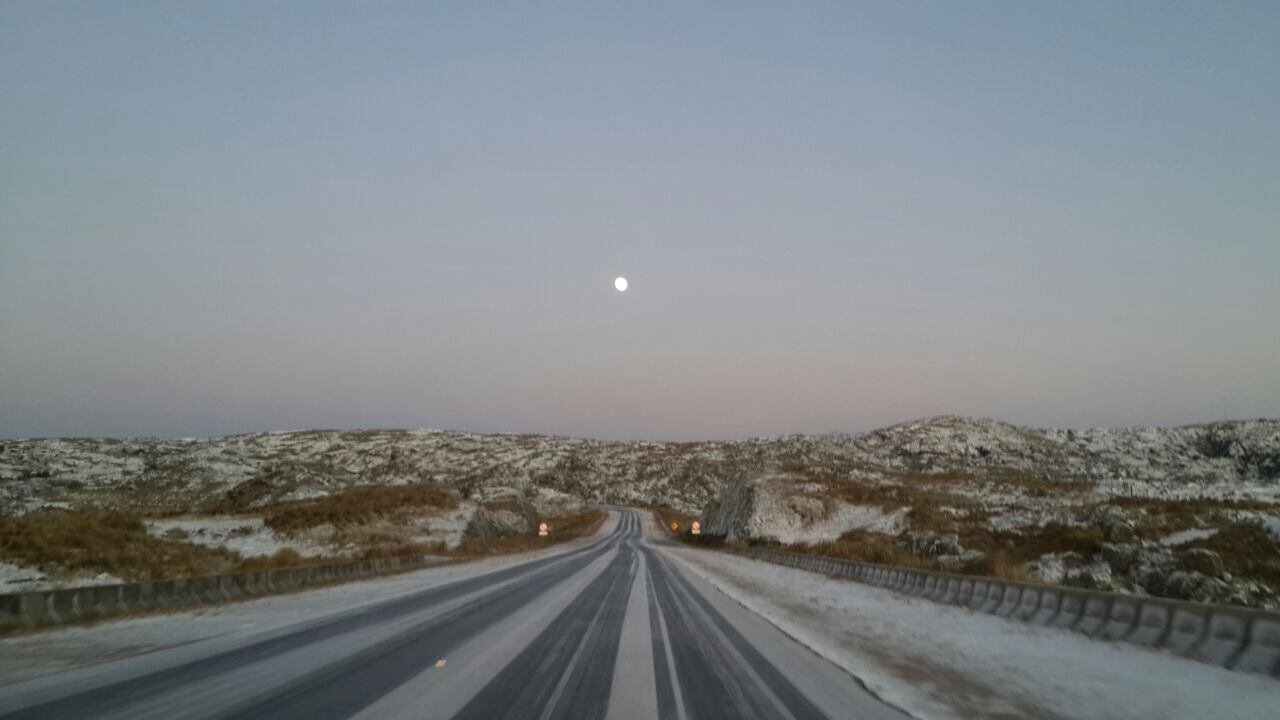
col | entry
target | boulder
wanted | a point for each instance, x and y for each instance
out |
(967, 561)
(1205, 562)
(791, 509)
(1115, 526)
(930, 544)
(514, 517)
(1096, 576)
(497, 523)
(1052, 568)
(1152, 568)
(1182, 585)
(1118, 531)
(808, 508)
(1121, 556)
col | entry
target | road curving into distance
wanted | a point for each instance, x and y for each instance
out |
(614, 629)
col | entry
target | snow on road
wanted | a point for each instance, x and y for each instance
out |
(38, 654)
(938, 661)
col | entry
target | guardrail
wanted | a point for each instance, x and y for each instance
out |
(57, 607)
(1235, 638)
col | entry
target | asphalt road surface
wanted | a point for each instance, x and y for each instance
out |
(612, 629)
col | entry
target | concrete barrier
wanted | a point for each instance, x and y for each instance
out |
(1186, 628)
(1261, 654)
(131, 597)
(238, 584)
(1153, 623)
(979, 595)
(1224, 639)
(951, 593)
(931, 587)
(1237, 638)
(1121, 618)
(204, 589)
(1012, 600)
(995, 596)
(1070, 610)
(61, 606)
(57, 607)
(1048, 607)
(106, 599)
(1029, 605)
(915, 584)
(10, 611)
(1096, 610)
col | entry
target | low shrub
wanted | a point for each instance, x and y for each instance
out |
(104, 542)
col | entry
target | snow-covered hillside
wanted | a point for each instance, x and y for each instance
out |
(1191, 511)
(1227, 460)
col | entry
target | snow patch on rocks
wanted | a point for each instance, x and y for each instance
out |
(247, 536)
(1185, 536)
(778, 507)
(16, 579)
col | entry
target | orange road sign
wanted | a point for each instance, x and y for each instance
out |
(675, 526)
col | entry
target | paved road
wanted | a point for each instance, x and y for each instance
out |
(615, 629)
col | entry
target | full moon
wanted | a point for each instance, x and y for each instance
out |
(621, 284)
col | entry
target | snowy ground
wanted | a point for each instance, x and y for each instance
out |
(18, 579)
(244, 535)
(448, 527)
(937, 661)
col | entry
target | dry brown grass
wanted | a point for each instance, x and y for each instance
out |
(402, 549)
(288, 558)
(1158, 518)
(868, 547)
(1032, 541)
(1246, 549)
(110, 542)
(1035, 486)
(285, 558)
(883, 550)
(118, 543)
(501, 505)
(360, 504)
(999, 565)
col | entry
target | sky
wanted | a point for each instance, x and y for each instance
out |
(228, 217)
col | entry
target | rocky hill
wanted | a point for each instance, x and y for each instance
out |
(944, 490)
(1221, 460)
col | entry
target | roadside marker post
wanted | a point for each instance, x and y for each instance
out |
(543, 529)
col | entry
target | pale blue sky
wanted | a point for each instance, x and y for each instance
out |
(234, 216)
